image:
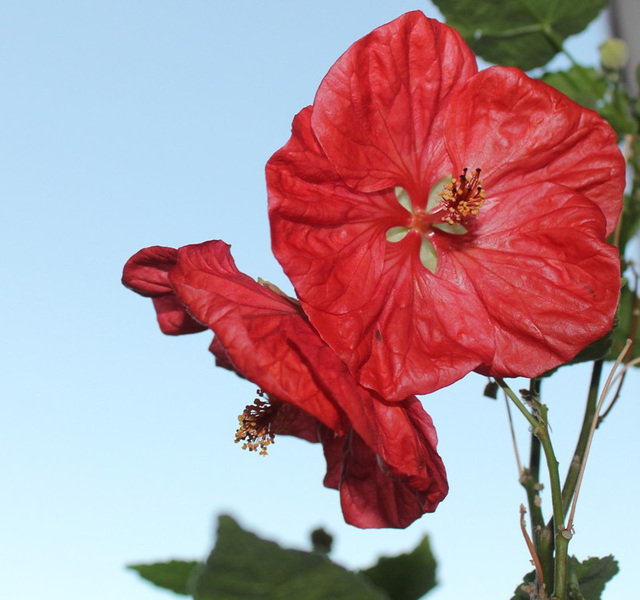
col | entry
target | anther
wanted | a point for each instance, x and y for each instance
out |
(255, 425)
(462, 198)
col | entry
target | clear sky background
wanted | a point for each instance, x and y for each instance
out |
(125, 124)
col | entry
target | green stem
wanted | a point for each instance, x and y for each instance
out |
(542, 535)
(557, 43)
(562, 564)
(541, 431)
(569, 488)
(534, 455)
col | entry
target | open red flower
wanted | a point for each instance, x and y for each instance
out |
(436, 220)
(380, 455)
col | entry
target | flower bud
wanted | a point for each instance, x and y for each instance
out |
(614, 54)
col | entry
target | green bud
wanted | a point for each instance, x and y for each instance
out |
(614, 54)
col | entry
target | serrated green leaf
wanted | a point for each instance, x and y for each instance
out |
(174, 575)
(592, 575)
(583, 85)
(406, 576)
(243, 566)
(522, 33)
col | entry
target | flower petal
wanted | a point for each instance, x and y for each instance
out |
(147, 273)
(253, 324)
(314, 216)
(400, 434)
(376, 110)
(521, 131)
(290, 420)
(222, 357)
(547, 279)
(369, 495)
(358, 289)
(173, 317)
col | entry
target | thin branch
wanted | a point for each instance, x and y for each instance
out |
(569, 487)
(635, 315)
(513, 437)
(534, 554)
(605, 390)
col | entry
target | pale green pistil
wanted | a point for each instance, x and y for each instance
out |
(452, 203)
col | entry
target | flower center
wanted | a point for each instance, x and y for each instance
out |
(255, 425)
(462, 198)
(451, 206)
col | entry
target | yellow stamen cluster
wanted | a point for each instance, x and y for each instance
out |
(255, 426)
(462, 198)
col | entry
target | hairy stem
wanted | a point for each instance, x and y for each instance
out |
(541, 431)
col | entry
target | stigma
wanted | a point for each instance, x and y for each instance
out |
(255, 430)
(451, 206)
(462, 198)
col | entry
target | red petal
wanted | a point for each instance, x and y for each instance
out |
(548, 281)
(333, 447)
(371, 498)
(254, 325)
(290, 420)
(359, 290)
(376, 111)
(520, 131)
(401, 434)
(372, 493)
(173, 318)
(222, 357)
(147, 271)
(313, 213)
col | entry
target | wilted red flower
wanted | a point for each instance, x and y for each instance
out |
(435, 220)
(381, 456)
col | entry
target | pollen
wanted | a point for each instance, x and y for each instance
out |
(254, 431)
(462, 198)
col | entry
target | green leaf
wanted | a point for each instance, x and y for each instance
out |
(243, 566)
(583, 85)
(586, 580)
(407, 576)
(629, 303)
(522, 33)
(629, 220)
(591, 577)
(522, 591)
(617, 111)
(174, 575)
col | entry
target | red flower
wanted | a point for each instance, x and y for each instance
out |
(435, 220)
(380, 455)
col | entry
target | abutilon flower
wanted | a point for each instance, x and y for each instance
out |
(436, 220)
(380, 455)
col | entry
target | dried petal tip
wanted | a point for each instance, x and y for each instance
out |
(462, 198)
(255, 425)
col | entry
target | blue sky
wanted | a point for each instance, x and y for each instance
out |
(128, 124)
